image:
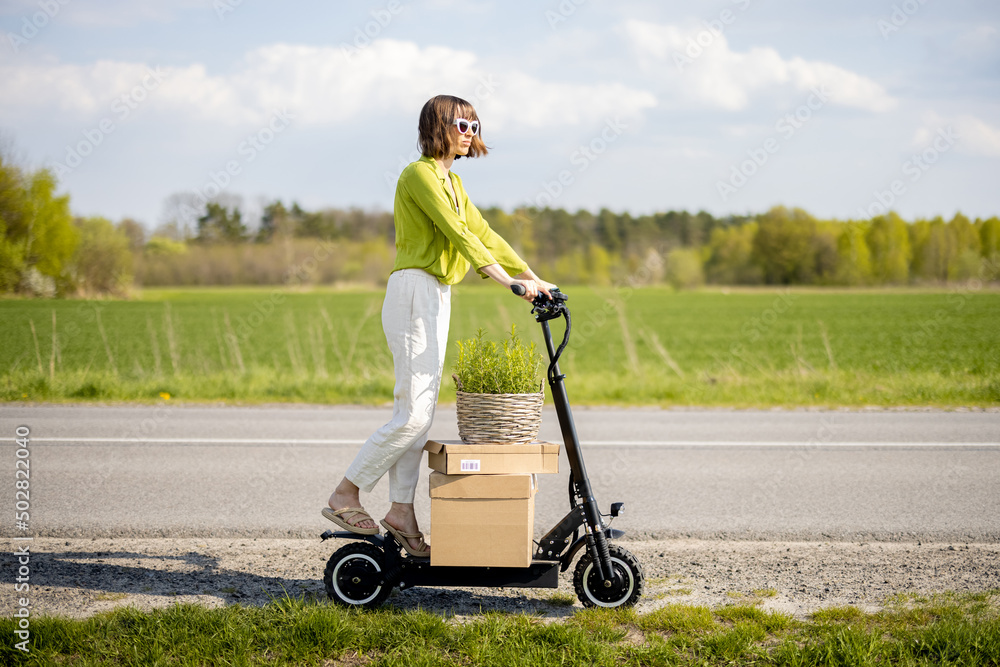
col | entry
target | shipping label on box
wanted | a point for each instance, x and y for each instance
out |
(482, 520)
(453, 457)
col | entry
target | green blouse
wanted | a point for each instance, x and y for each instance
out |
(431, 234)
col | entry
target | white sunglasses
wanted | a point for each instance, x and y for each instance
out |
(464, 126)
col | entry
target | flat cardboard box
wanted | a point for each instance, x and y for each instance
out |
(482, 520)
(454, 457)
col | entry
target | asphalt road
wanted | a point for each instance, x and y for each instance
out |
(266, 472)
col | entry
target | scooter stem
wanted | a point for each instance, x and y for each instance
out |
(597, 541)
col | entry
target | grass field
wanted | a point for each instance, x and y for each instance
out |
(946, 629)
(652, 346)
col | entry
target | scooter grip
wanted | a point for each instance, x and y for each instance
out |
(518, 289)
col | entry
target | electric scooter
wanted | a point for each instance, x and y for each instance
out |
(363, 573)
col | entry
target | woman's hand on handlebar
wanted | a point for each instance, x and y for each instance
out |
(539, 285)
(526, 289)
(531, 284)
(544, 287)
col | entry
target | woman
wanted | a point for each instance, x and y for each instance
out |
(439, 235)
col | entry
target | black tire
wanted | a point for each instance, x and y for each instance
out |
(353, 576)
(592, 593)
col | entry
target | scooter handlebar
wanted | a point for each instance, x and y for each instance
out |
(540, 299)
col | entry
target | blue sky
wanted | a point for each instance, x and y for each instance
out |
(730, 106)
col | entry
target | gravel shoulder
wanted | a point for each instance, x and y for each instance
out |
(82, 577)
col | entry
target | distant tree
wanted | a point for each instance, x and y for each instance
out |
(854, 260)
(510, 227)
(683, 268)
(571, 268)
(824, 248)
(673, 226)
(889, 241)
(730, 256)
(311, 225)
(564, 234)
(275, 221)
(163, 246)
(525, 233)
(103, 260)
(598, 265)
(169, 230)
(609, 234)
(989, 239)
(38, 237)
(219, 225)
(12, 212)
(180, 216)
(932, 249)
(701, 227)
(963, 261)
(135, 232)
(783, 246)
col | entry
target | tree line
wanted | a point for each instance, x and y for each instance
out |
(45, 250)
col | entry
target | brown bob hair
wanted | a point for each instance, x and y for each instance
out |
(436, 120)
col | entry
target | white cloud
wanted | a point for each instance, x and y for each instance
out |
(697, 67)
(979, 42)
(130, 12)
(322, 85)
(331, 84)
(106, 12)
(973, 136)
(80, 93)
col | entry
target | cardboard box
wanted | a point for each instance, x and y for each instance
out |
(453, 457)
(482, 520)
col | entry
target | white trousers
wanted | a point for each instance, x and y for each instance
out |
(415, 318)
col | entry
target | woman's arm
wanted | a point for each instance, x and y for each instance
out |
(532, 283)
(530, 275)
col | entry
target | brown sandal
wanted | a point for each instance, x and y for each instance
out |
(339, 518)
(423, 550)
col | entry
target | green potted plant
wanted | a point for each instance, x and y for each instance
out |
(499, 390)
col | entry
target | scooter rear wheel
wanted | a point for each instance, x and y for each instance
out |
(625, 593)
(353, 576)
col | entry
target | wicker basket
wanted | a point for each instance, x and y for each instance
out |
(509, 419)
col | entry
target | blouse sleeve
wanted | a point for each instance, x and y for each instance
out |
(504, 255)
(425, 190)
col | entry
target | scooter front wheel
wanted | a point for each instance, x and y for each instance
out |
(354, 576)
(624, 592)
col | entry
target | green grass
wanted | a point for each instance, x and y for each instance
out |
(949, 629)
(652, 346)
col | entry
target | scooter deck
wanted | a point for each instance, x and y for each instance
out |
(540, 574)
(420, 572)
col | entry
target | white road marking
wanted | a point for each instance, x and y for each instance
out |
(586, 443)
